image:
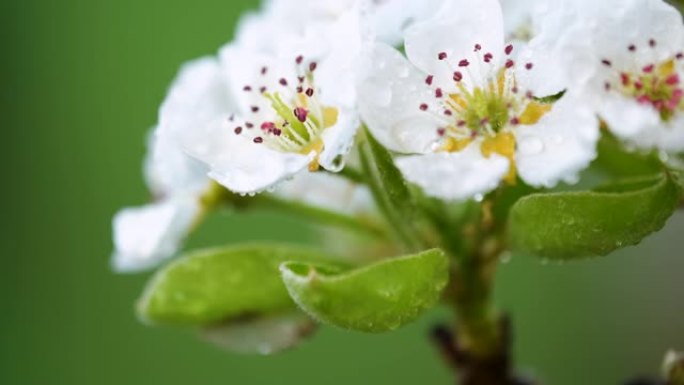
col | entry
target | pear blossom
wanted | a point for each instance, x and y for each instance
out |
(627, 58)
(387, 18)
(295, 109)
(456, 108)
(147, 235)
(150, 234)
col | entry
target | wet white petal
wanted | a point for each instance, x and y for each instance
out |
(198, 96)
(170, 172)
(455, 30)
(238, 163)
(147, 235)
(626, 117)
(455, 176)
(327, 191)
(338, 140)
(559, 146)
(391, 91)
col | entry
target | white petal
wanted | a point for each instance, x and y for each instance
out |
(625, 117)
(242, 66)
(238, 163)
(455, 176)
(338, 140)
(671, 135)
(171, 172)
(146, 236)
(391, 91)
(198, 96)
(458, 26)
(559, 146)
(392, 17)
(547, 76)
(327, 191)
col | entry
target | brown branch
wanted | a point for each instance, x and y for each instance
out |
(471, 369)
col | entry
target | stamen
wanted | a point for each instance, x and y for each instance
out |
(458, 76)
(442, 55)
(652, 43)
(238, 130)
(509, 49)
(299, 59)
(283, 82)
(247, 88)
(255, 109)
(509, 63)
(301, 114)
(264, 70)
(439, 93)
(423, 107)
(464, 63)
(529, 66)
(488, 57)
(312, 66)
(478, 47)
(309, 92)
(429, 79)
(607, 63)
(258, 140)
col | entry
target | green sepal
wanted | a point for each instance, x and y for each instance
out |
(390, 191)
(220, 285)
(574, 225)
(375, 298)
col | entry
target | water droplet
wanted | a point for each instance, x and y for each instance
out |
(479, 198)
(506, 257)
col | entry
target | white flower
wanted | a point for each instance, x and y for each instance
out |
(147, 235)
(458, 107)
(626, 56)
(387, 18)
(295, 108)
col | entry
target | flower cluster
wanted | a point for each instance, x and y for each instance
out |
(468, 96)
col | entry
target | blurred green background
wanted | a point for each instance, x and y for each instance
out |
(82, 81)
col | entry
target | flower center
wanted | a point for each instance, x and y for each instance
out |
(298, 117)
(657, 85)
(487, 111)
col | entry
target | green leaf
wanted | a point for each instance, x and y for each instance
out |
(221, 285)
(390, 190)
(574, 225)
(375, 298)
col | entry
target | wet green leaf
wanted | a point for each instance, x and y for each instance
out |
(375, 298)
(592, 223)
(221, 285)
(390, 191)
